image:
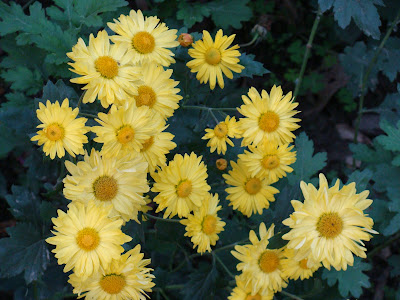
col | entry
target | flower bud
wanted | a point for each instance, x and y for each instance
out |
(221, 164)
(185, 39)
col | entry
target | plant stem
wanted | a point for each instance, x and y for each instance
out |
(208, 108)
(161, 219)
(174, 287)
(87, 115)
(291, 295)
(223, 266)
(81, 98)
(376, 250)
(214, 117)
(366, 75)
(251, 42)
(307, 53)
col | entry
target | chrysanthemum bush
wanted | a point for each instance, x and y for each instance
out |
(166, 180)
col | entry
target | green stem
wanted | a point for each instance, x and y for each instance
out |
(174, 287)
(307, 53)
(376, 250)
(81, 98)
(366, 76)
(291, 295)
(214, 117)
(223, 266)
(161, 219)
(163, 293)
(88, 115)
(208, 108)
(251, 42)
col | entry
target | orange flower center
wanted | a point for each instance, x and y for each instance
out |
(253, 186)
(269, 261)
(303, 264)
(146, 96)
(87, 239)
(253, 297)
(112, 284)
(269, 121)
(106, 66)
(184, 188)
(125, 134)
(330, 225)
(54, 132)
(147, 144)
(143, 42)
(221, 130)
(105, 188)
(213, 56)
(270, 162)
(221, 164)
(209, 224)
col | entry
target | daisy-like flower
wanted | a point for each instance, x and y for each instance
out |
(295, 269)
(248, 194)
(104, 68)
(120, 182)
(86, 238)
(261, 267)
(144, 38)
(125, 278)
(219, 136)
(330, 225)
(159, 144)
(124, 130)
(204, 225)
(60, 129)
(156, 90)
(181, 185)
(243, 292)
(211, 59)
(268, 117)
(269, 160)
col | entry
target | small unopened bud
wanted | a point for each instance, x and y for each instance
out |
(260, 30)
(221, 164)
(185, 39)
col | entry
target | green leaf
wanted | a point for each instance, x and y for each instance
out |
(200, 282)
(364, 13)
(227, 13)
(391, 141)
(307, 164)
(390, 108)
(23, 79)
(361, 178)
(23, 203)
(374, 155)
(191, 13)
(350, 281)
(23, 252)
(58, 92)
(251, 67)
(394, 262)
(324, 5)
(388, 57)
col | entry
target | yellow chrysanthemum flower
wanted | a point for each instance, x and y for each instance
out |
(269, 160)
(248, 194)
(219, 136)
(159, 144)
(86, 238)
(268, 117)
(211, 59)
(261, 267)
(104, 68)
(181, 185)
(144, 38)
(330, 225)
(243, 292)
(295, 269)
(120, 182)
(61, 130)
(124, 130)
(156, 90)
(125, 278)
(204, 225)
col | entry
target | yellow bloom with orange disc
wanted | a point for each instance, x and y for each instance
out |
(330, 225)
(126, 277)
(211, 58)
(86, 239)
(295, 269)
(204, 225)
(105, 70)
(243, 292)
(145, 39)
(268, 117)
(60, 129)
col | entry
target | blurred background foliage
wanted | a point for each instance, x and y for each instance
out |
(352, 70)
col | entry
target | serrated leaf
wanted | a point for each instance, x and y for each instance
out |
(390, 141)
(324, 5)
(23, 79)
(23, 204)
(374, 155)
(24, 251)
(350, 281)
(307, 164)
(191, 13)
(390, 108)
(58, 92)
(361, 178)
(364, 13)
(200, 283)
(389, 55)
(227, 13)
(251, 67)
